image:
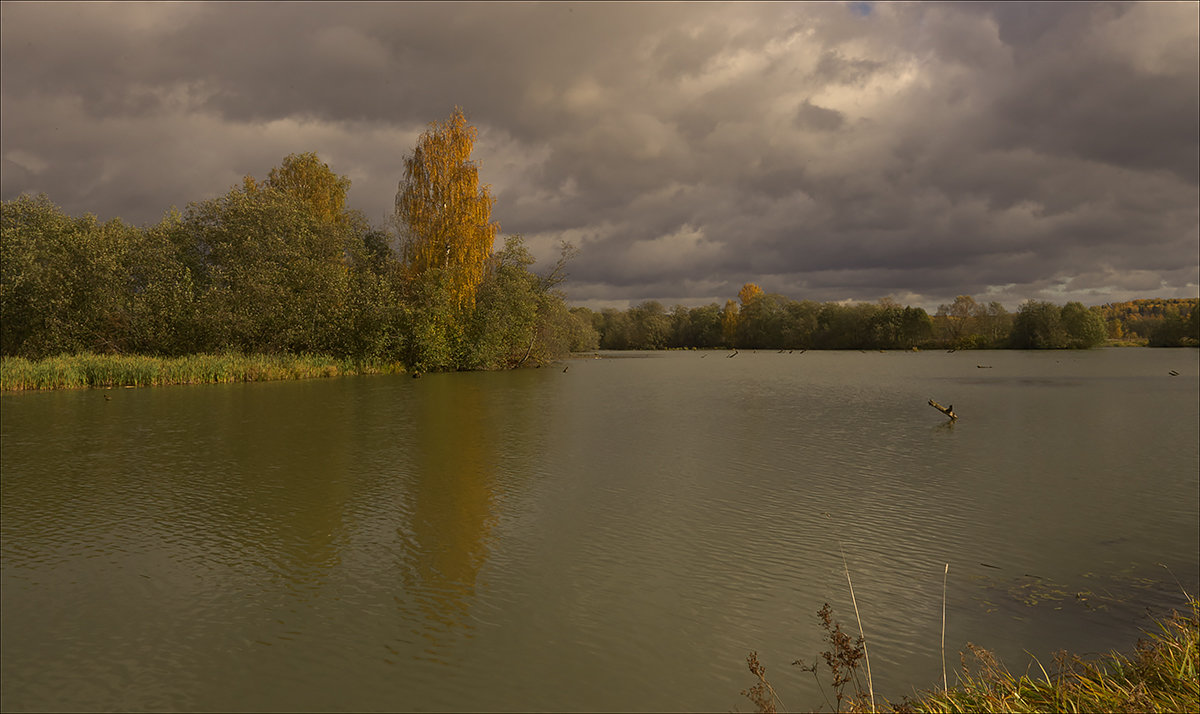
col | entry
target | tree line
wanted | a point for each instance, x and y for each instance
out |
(760, 320)
(281, 266)
(1160, 322)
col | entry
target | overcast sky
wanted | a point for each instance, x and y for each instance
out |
(823, 151)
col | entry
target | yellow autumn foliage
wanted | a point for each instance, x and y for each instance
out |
(443, 212)
(748, 293)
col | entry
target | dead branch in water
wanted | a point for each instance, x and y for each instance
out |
(948, 411)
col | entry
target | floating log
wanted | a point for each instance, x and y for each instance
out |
(948, 411)
(983, 366)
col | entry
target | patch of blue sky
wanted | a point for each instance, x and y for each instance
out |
(862, 9)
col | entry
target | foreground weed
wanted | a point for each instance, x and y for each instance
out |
(843, 659)
(762, 694)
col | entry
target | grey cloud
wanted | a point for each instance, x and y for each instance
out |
(1023, 24)
(811, 116)
(1104, 112)
(925, 150)
(834, 67)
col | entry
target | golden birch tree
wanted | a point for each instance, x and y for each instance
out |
(442, 212)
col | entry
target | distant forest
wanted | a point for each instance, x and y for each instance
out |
(759, 320)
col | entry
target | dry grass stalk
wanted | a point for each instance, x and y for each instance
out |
(945, 576)
(862, 637)
(762, 694)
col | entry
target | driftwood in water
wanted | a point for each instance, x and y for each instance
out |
(948, 411)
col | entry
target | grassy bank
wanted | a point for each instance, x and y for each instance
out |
(1161, 675)
(81, 371)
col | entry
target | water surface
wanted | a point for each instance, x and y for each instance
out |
(616, 536)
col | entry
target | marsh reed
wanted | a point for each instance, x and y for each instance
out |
(81, 371)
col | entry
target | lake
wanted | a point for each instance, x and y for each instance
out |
(607, 534)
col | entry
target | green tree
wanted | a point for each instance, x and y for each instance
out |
(270, 273)
(886, 325)
(704, 326)
(520, 317)
(681, 327)
(994, 323)
(761, 322)
(916, 327)
(307, 178)
(430, 325)
(1084, 327)
(374, 316)
(161, 300)
(62, 280)
(582, 336)
(1175, 330)
(800, 324)
(959, 320)
(650, 325)
(504, 328)
(843, 327)
(33, 233)
(614, 329)
(1038, 325)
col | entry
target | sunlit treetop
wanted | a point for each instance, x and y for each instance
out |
(748, 293)
(309, 179)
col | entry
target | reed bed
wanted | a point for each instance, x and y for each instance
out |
(81, 371)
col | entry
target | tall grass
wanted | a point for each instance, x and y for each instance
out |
(80, 371)
(1162, 675)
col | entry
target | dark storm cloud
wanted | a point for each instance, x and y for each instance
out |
(824, 151)
(811, 116)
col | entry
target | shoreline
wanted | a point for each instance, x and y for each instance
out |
(100, 371)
